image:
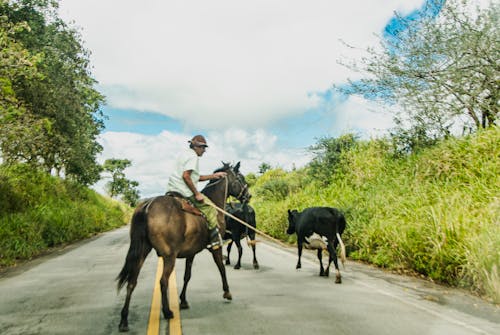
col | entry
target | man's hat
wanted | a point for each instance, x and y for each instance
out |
(199, 141)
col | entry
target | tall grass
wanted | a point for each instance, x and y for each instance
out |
(435, 213)
(39, 211)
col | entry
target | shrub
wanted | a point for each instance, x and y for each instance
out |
(39, 211)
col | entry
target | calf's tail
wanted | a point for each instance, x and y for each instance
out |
(342, 246)
(342, 250)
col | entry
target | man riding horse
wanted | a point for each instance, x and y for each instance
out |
(184, 180)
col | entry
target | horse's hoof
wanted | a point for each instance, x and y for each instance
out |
(184, 305)
(338, 280)
(237, 266)
(168, 314)
(256, 266)
(322, 274)
(227, 295)
(123, 328)
(228, 262)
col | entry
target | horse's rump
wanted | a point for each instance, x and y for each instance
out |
(172, 228)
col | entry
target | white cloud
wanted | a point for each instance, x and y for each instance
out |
(228, 65)
(359, 115)
(224, 62)
(153, 156)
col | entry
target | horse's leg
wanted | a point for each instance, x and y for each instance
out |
(217, 255)
(229, 245)
(123, 327)
(187, 276)
(131, 284)
(168, 266)
(255, 263)
(299, 247)
(320, 259)
(240, 253)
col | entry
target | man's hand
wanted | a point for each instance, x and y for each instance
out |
(199, 197)
(219, 175)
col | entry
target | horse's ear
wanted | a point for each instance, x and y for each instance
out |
(224, 165)
(237, 167)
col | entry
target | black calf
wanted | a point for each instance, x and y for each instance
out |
(324, 221)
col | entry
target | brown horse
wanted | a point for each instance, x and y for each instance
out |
(162, 224)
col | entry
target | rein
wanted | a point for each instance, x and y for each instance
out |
(218, 181)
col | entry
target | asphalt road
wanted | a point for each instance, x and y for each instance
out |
(72, 291)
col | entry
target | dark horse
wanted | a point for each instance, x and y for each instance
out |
(162, 224)
(237, 231)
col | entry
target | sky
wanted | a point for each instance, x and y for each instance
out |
(254, 77)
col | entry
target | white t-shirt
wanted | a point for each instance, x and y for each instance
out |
(187, 160)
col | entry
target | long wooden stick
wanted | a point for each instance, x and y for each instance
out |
(246, 224)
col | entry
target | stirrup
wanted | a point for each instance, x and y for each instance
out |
(214, 245)
(215, 239)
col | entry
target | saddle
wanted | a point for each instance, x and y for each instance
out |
(186, 205)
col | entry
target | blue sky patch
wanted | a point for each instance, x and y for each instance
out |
(142, 122)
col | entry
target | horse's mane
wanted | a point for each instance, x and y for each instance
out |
(221, 169)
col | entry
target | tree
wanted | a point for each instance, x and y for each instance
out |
(328, 154)
(119, 184)
(131, 194)
(443, 70)
(16, 63)
(263, 167)
(55, 118)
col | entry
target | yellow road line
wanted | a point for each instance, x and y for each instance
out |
(174, 324)
(154, 314)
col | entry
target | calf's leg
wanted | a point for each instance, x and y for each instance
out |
(299, 247)
(320, 259)
(333, 257)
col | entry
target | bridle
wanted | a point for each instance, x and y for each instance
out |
(243, 186)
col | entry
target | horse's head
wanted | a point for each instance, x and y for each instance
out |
(237, 185)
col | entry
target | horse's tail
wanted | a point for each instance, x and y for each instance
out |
(139, 247)
(340, 228)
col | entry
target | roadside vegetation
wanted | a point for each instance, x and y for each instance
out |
(50, 118)
(426, 198)
(40, 211)
(434, 213)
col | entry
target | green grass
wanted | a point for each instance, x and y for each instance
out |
(435, 213)
(39, 211)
